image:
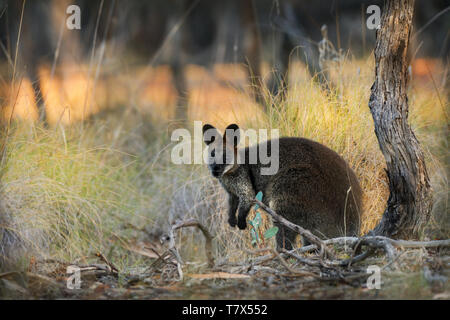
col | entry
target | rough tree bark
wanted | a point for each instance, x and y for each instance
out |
(410, 200)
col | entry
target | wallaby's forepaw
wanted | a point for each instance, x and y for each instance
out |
(242, 224)
(232, 221)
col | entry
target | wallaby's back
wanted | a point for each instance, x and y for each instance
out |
(314, 188)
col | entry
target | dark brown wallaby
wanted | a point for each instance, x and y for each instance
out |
(313, 187)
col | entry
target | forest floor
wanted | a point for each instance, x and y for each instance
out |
(415, 274)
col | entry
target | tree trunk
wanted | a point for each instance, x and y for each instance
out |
(252, 48)
(410, 200)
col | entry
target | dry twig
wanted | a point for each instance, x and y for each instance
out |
(305, 233)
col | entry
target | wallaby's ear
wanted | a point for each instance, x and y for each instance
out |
(209, 134)
(232, 134)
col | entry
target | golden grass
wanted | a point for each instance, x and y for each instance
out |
(62, 194)
(72, 191)
(20, 101)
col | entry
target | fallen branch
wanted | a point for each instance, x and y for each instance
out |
(108, 267)
(110, 264)
(350, 261)
(307, 261)
(416, 244)
(96, 267)
(173, 249)
(218, 275)
(206, 234)
(275, 254)
(377, 241)
(327, 266)
(296, 228)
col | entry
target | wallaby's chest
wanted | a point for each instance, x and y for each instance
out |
(232, 182)
(243, 178)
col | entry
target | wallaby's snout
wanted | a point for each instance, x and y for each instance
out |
(216, 171)
(314, 186)
(222, 150)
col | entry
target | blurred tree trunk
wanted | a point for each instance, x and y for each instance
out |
(252, 48)
(410, 200)
(182, 37)
(182, 104)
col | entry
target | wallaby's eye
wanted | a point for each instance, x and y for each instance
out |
(213, 153)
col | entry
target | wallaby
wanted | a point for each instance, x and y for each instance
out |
(313, 187)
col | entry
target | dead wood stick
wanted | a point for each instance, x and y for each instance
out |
(296, 228)
(330, 265)
(416, 244)
(206, 234)
(380, 243)
(355, 249)
(89, 268)
(333, 263)
(307, 261)
(94, 267)
(161, 260)
(275, 254)
(174, 251)
(110, 264)
(349, 261)
(396, 243)
(372, 242)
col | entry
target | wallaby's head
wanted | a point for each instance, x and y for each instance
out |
(222, 150)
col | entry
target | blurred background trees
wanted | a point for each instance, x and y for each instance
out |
(261, 38)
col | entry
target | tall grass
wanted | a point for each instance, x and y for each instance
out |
(70, 191)
(63, 193)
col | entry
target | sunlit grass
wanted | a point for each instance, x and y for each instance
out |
(70, 191)
(65, 194)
